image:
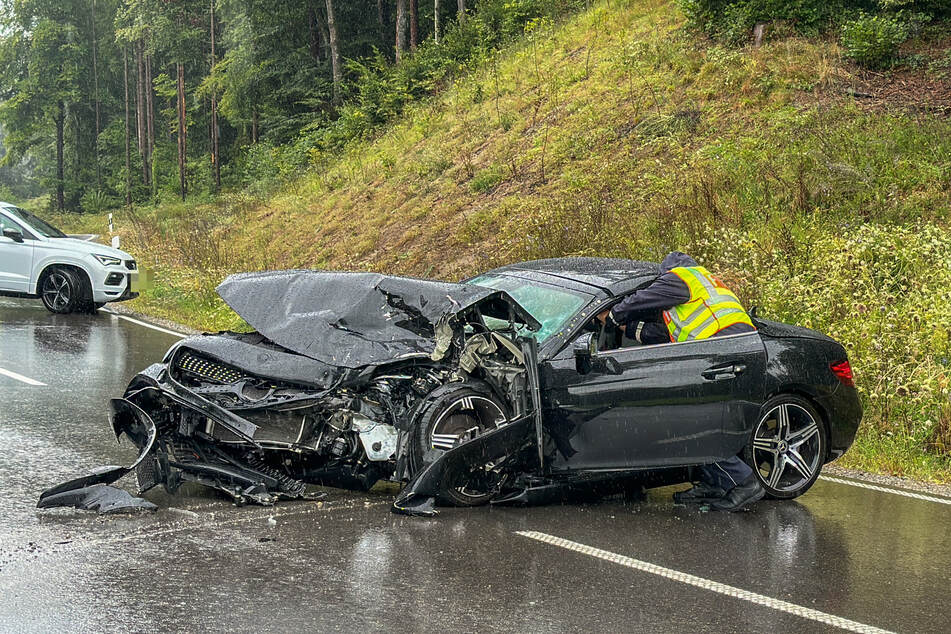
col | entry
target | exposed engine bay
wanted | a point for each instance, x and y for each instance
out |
(359, 377)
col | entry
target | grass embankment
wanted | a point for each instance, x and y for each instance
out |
(618, 134)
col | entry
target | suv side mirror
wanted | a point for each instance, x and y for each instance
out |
(585, 347)
(14, 234)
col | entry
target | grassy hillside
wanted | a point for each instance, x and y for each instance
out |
(819, 191)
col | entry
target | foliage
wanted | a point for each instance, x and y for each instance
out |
(873, 40)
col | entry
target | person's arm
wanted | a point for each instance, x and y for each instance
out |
(648, 303)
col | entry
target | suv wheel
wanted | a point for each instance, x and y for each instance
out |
(64, 290)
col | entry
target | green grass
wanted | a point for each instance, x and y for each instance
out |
(616, 133)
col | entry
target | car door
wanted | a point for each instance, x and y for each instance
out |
(16, 258)
(649, 406)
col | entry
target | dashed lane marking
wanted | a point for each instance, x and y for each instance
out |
(146, 324)
(875, 487)
(705, 584)
(20, 377)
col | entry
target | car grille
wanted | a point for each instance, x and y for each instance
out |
(130, 264)
(208, 369)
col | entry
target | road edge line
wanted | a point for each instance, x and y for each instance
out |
(876, 487)
(146, 324)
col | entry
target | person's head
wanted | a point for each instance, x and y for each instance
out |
(674, 259)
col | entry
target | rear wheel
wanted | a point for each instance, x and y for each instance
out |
(787, 446)
(453, 414)
(64, 290)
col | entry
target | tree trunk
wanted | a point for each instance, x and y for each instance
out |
(140, 106)
(413, 24)
(313, 33)
(128, 145)
(381, 19)
(216, 166)
(149, 122)
(436, 20)
(334, 51)
(254, 126)
(60, 178)
(462, 12)
(95, 81)
(400, 28)
(182, 149)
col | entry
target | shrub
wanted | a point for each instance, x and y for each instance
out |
(873, 40)
(731, 21)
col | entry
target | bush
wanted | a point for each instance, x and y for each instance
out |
(873, 40)
(732, 21)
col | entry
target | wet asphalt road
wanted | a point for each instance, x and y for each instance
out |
(875, 558)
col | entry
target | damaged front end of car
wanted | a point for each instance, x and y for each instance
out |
(348, 378)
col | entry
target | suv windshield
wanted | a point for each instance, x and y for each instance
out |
(38, 225)
(550, 305)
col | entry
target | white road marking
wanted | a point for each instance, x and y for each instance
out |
(706, 584)
(20, 377)
(875, 487)
(147, 325)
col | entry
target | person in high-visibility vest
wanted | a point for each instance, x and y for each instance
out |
(686, 302)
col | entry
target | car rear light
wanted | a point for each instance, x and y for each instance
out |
(843, 371)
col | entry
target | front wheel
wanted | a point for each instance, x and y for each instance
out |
(63, 290)
(787, 447)
(453, 414)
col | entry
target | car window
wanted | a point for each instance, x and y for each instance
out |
(550, 305)
(6, 223)
(39, 225)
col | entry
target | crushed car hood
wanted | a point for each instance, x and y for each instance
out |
(354, 319)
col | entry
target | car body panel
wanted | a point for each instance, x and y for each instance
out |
(353, 320)
(653, 405)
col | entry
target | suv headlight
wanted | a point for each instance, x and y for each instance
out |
(107, 260)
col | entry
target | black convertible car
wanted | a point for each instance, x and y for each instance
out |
(504, 388)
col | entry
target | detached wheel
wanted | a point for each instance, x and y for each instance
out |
(787, 447)
(453, 414)
(63, 290)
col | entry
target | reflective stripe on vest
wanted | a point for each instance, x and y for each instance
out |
(711, 307)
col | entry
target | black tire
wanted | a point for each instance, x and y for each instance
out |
(64, 290)
(792, 434)
(450, 415)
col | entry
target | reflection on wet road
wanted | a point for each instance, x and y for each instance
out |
(201, 564)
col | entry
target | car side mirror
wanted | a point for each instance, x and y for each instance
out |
(585, 348)
(14, 234)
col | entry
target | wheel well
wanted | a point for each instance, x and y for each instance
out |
(49, 267)
(803, 394)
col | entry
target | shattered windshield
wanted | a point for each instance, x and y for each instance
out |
(39, 225)
(550, 305)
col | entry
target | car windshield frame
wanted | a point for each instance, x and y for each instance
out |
(35, 223)
(515, 285)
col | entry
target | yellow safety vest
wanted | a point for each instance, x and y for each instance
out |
(711, 307)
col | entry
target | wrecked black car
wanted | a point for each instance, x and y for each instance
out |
(504, 388)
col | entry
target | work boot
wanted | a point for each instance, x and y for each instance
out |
(700, 493)
(740, 496)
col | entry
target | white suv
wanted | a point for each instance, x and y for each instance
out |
(38, 260)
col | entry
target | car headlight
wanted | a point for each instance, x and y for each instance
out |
(107, 260)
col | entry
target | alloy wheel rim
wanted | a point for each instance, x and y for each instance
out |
(467, 418)
(787, 447)
(56, 291)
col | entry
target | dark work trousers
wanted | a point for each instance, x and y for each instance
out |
(725, 474)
